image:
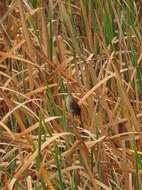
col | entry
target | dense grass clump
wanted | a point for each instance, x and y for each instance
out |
(92, 50)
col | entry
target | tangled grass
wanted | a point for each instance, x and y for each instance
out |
(93, 50)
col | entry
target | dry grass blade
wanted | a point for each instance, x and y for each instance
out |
(35, 126)
(92, 50)
(45, 176)
(34, 155)
(29, 183)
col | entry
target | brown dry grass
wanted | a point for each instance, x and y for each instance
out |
(93, 50)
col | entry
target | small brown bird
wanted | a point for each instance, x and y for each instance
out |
(72, 105)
